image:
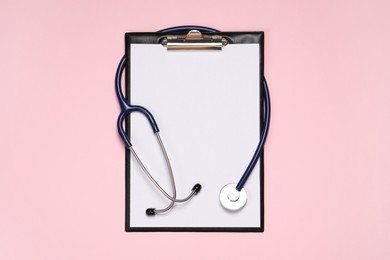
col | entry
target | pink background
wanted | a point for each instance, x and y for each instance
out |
(327, 157)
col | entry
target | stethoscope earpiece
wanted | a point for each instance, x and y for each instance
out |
(195, 190)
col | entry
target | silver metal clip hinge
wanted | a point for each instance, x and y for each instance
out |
(194, 40)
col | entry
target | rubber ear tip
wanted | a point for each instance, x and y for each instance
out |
(150, 211)
(197, 187)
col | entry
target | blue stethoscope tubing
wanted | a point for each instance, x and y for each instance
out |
(127, 108)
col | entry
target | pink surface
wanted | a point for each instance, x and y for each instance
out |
(327, 157)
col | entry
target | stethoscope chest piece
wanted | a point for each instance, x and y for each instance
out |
(231, 198)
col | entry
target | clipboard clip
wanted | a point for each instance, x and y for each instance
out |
(194, 40)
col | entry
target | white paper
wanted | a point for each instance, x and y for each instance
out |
(206, 105)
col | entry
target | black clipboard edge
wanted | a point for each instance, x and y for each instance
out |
(196, 229)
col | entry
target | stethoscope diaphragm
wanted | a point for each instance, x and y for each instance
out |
(231, 198)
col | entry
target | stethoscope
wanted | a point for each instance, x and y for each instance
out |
(233, 195)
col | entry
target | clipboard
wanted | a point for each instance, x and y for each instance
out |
(207, 99)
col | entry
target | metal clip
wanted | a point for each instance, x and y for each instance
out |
(194, 40)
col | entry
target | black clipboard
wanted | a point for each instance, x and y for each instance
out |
(182, 218)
